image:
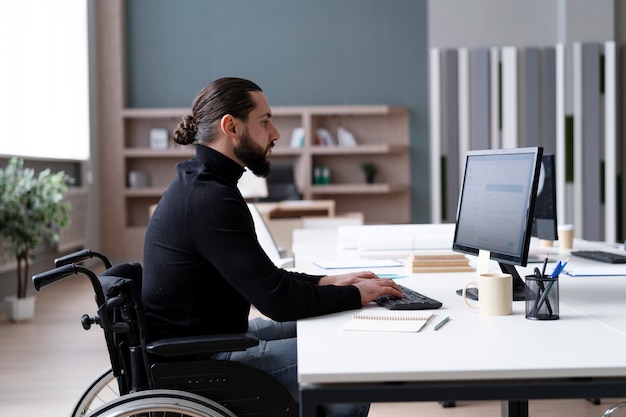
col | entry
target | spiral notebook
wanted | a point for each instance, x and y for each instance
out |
(388, 321)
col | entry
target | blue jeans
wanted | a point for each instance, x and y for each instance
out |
(276, 355)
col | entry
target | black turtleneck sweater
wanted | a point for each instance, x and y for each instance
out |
(203, 265)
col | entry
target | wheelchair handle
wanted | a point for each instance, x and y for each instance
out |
(57, 274)
(81, 256)
(53, 275)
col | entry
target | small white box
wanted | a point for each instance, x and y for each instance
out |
(158, 138)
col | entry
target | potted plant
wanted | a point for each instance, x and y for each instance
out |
(31, 209)
(369, 169)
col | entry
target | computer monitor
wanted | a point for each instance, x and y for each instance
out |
(544, 218)
(496, 207)
(281, 183)
(251, 186)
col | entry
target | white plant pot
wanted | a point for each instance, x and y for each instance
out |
(20, 309)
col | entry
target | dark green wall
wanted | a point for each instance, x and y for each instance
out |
(300, 52)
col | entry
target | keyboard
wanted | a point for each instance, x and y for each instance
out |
(412, 300)
(597, 255)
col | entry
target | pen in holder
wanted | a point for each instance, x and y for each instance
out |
(542, 297)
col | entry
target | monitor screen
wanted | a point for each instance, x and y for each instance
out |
(251, 186)
(544, 220)
(496, 205)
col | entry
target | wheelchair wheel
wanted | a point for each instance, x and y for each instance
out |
(102, 390)
(161, 403)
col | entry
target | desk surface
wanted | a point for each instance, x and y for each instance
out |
(587, 341)
(296, 208)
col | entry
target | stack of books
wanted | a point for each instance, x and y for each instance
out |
(437, 262)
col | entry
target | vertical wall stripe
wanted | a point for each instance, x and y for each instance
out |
(577, 98)
(464, 109)
(450, 129)
(590, 146)
(561, 206)
(494, 102)
(547, 115)
(480, 99)
(509, 98)
(610, 145)
(435, 136)
(528, 98)
(622, 135)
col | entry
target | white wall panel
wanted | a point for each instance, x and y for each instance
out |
(435, 136)
(610, 144)
(509, 98)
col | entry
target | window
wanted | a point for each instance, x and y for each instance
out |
(44, 82)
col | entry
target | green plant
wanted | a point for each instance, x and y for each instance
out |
(31, 209)
(369, 169)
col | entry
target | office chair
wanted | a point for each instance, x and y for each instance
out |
(169, 371)
(281, 183)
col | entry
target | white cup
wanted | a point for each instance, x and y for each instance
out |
(495, 294)
(566, 236)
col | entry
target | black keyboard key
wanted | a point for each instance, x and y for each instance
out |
(412, 300)
(601, 256)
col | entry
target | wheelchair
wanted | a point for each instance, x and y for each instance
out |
(168, 377)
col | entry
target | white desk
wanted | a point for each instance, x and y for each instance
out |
(473, 357)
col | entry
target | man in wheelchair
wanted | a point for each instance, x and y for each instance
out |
(203, 264)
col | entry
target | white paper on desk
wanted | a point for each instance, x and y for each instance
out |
(359, 263)
(388, 321)
(598, 270)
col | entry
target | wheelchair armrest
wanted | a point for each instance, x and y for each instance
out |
(193, 345)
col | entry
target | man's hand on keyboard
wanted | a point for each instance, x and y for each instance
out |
(368, 283)
(347, 279)
(371, 289)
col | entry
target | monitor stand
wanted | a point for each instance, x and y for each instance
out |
(519, 287)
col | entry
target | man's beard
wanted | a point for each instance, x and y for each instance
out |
(253, 156)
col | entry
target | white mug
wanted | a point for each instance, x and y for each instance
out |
(495, 294)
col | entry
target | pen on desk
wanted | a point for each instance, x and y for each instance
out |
(545, 263)
(441, 323)
(563, 265)
(557, 270)
(544, 297)
(542, 291)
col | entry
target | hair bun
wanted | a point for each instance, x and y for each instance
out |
(185, 132)
(189, 124)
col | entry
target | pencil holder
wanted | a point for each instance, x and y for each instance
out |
(542, 298)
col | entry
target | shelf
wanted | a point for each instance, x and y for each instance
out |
(381, 133)
(186, 152)
(339, 189)
(144, 192)
(286, 151)
(350, 110)
(358, 150)
(278, 150)
(154, 113)
(153, 153)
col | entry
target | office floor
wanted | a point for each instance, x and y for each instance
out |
(46, 363)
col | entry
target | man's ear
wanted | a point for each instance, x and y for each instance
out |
(229, 126)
